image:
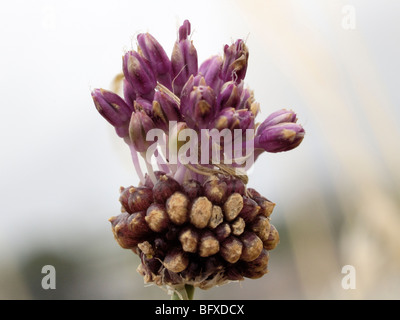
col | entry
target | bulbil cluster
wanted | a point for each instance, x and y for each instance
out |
(199, 234)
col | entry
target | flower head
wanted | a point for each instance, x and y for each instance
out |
(194, 223)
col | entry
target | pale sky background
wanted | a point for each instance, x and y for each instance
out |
(337, 195)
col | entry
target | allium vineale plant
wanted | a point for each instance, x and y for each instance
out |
(192, 220)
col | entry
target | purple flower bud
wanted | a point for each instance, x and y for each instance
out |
(129, 93)
(232, 119)
(138, 72)
(210, 70)
(145, 105)
(276, 117)
(114, 109)
(198, 104)
(229, 96)
(247, 100)
(165, 109)
(235, 62)
(151, 49)
(139, 125)
(183, 59)
(279, 137)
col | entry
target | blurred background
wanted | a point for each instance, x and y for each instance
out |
(61, 165)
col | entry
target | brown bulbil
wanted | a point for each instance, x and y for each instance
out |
(252, 274)
(222, 231)
(177, 208)
(238, 226)
(189, 239)
(157, 217)
(137, 224)
(176, 260)
(235, 185)
(231, 249)
(164, 188)
(120, 228)
(200, 213)
(193, 189)
(232, 206)
(216, 217)
(209, 245)
(261, 226)
(252, 246)
(147, 180)
(139, 199)
(266, 206)
(260, 263)
(216, 190)
(146, 248)
(273, 239)
(123, 198)
(250, 209)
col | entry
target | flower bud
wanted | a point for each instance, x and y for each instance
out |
(139, 125)
(279, 137)
(139, 73)
(151, 49)
(164, 110)
(210, 69)
(232, 119)
(183, 59)
(229, 96)
(129, 93)
(114, 109)
(197, 104)
(280, 116)
(235, 62)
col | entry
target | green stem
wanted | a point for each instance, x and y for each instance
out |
(185, 293)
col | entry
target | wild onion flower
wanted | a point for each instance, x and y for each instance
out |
(193, 221)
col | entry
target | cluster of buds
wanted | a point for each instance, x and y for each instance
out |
(191, 223)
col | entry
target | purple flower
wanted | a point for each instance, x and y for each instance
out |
(151, 49)
(276, 117)
(232, 119)
(235, 62)
(279, 137)
(183, 59)
(139, 125)
(211, 71)
(198, 104)
(165, 109)
(139, 74)
(114, 109)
